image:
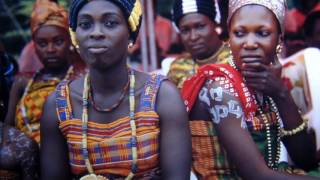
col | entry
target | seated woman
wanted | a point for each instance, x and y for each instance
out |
(250, 107)
(199, 28)
(49, 27)
(114, 122)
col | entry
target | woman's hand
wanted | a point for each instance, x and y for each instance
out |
(264, 78)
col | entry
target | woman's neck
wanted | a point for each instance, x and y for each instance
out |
(109, 80)
(55, 73)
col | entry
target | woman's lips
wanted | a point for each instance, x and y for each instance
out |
(97, 50)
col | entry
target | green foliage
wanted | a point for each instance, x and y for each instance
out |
(15, 23)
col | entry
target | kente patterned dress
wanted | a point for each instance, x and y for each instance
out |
(210, 160)
(109, 144)
(184, 66)
(29, 108)
(33, 103)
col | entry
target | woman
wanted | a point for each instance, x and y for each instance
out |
(115, 122)
(250, 111)
(199, 28)
(49, 27)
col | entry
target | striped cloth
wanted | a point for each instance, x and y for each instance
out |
(34, 101)
(109, 144)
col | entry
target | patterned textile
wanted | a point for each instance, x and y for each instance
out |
(109, 144)
(34, 101)
(184, 66)
(48, 13)
(210, 160)
(277, 7)
(20, 152)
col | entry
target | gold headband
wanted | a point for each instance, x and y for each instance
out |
(277, 7)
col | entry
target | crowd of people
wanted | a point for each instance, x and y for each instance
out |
(240, 102)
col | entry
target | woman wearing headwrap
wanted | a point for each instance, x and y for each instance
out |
(249, 105)
(115, 122)
(49, 27)
(199, 26)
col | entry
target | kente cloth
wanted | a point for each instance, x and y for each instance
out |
(34, 102)
(109, 144)
(46, 13)
(184, 66)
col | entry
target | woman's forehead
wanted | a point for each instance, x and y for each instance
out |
(253, 14)
(99, 7)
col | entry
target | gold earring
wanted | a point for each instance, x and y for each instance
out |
(279, 49)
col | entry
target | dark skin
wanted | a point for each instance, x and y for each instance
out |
(103, 37)
(52, 47)
(248, 160)
(253, 41)
(199, 36)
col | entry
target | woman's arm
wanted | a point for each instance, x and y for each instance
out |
(175, 138)
(16, 93)
(301, 147)
(54, 149)
(228, 117)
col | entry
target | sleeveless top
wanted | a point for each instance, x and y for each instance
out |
(109, 144)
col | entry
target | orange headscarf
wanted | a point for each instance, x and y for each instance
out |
(46, 12)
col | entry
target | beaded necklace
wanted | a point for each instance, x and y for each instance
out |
(26, 91)
(115, 105)
(133, 139)
(271, 164)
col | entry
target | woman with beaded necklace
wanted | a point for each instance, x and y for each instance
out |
(250, 107)
(115, 122)
(49, 27)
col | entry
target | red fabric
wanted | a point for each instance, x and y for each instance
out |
(295, 19)
(192, 86)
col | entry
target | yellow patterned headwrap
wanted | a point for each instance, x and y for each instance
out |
(277, 7)
(46, 12)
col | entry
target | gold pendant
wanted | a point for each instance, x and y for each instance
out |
(93, 177)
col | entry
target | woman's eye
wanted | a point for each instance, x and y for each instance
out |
(84, 25)
(200, 26)
(111, 24)
(264, 33)
(59, 42)
(238, 33)
(42, 44)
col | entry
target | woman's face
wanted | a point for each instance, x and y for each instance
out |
(102, 33)
(198, 35)
(254, 35)
(52, 46)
